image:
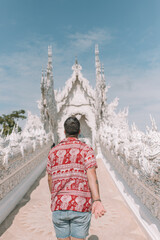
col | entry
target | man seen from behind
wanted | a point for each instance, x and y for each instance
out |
(73, 184)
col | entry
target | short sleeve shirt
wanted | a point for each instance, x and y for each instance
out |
(67, 164)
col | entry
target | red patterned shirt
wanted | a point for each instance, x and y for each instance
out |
(68, 163)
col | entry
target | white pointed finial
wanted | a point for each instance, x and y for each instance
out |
(96, 49)
(76, 61)
(97, 62)
(76, 67)
(50, 54)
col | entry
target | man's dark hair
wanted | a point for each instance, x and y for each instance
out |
(72, 126)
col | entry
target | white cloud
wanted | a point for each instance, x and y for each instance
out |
(83, 41)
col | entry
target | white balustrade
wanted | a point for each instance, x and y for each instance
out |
(17, 145)
(134, 154)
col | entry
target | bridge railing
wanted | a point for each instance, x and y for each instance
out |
(16, 147)
(135, 155)
(23, 157)
(19, 151)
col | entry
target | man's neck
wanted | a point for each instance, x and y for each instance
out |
(71, 136)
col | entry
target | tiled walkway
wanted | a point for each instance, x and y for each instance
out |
(32, 218)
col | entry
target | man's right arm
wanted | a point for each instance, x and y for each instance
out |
(97, 207)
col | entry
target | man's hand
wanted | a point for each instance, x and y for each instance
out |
(98, 209)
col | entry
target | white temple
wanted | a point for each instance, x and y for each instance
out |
(133, 154)
(77, 98)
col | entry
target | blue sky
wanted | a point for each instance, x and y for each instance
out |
(128, 34)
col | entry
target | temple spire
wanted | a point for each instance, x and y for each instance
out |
(97, 63)
(76, 61)
(102, 71)
(98, 83)
(49, 66)
(50, 54)
(103, 80)
(42, 78)
(98, 95)
(48, 101)
(100, 101)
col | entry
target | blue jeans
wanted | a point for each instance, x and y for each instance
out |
(71, 223)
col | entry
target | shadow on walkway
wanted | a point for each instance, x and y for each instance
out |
(9, 220)
(93, 237)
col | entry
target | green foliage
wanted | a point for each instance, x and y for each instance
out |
(8, 122)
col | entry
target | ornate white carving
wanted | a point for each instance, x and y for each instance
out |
(47, 105)
(101, 124)
(17, 144)
(76, 81)
(136, 154)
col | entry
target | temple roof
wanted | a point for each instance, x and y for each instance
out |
(62, 96)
